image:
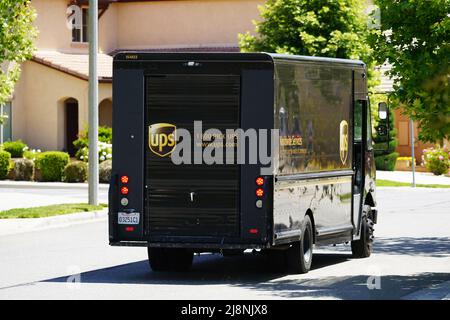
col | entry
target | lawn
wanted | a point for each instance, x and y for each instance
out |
(389, 183)
(48, 211)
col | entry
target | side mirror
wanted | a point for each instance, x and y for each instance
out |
(382, 110)
(382, 129)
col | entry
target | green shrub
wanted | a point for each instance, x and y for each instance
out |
(23, 170)
(10, 175)
(104, 152)
(15, 148)
(76, 171)
(436, 160)
(31, 154)
(104, 171)
(5, 158)
(386, 162)
(104, 135)
(51, 165)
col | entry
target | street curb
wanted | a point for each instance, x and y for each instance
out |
(439, 291)
(17, 226)
(47, 185)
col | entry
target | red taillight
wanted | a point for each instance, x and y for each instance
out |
(259, 181)
(253, 231)
(124, 190)
(124, 179)
(129, 229)
(259, 192)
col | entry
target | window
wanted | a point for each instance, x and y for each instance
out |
(81, 35)
(7, 133)
(358, 120)
(369, 128)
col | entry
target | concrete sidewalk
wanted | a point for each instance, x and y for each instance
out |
(47, 185)
(15, 226)
(406, 176)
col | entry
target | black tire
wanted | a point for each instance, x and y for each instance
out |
(180, 260)
(170, 259)
(299, 255)
(232, 252)
(157, 258)
(363, 247)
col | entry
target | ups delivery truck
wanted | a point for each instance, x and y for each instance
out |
(316, 186)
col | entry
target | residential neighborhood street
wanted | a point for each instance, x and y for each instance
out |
(411, 258)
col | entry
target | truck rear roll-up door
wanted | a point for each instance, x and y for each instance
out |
(187, 199)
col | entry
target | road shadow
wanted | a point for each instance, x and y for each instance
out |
(258, 273)
(436, 247)
(429, 246)
(206, 270)
(361, 287)
(253, 273)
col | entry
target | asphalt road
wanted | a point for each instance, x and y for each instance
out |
(411, 260)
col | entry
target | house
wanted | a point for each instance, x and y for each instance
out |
(402, 123)
(50, 102)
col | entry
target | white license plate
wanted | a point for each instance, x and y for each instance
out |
(128, 218)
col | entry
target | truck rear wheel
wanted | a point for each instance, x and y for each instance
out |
(170, 259)
(299, 255)
(157, 258)
(180, 259)
(362, 248)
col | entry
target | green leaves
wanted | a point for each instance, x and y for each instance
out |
(415, 39)
(17, 35)
(329, 28)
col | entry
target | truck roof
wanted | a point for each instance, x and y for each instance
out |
(230, 56)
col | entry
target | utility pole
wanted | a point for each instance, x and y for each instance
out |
(93, 102)
(413, 159)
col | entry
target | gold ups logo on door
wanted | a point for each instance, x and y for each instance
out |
(161, 138)
(343, 144)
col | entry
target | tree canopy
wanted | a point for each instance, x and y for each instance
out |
(415, 39)
(17, 35)
(327, 28)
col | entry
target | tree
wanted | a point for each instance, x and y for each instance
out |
(415, 38)
(327, 28)
(17, 35)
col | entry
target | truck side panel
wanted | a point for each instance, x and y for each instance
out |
(314, 115)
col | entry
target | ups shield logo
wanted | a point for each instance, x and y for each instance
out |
(343, 144)
(161, 138)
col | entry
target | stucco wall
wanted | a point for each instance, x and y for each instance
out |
(184, 23)
(54, 34)
(38, 105)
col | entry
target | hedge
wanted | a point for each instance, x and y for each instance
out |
(51, 165)
(76, 171)
(5, 158)
(104, 171)
(15, 148)
(23, 170)
(386, 162)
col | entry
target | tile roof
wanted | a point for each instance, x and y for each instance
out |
(75, 64)
(185, 49)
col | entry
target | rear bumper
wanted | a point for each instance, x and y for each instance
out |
(200, 246)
